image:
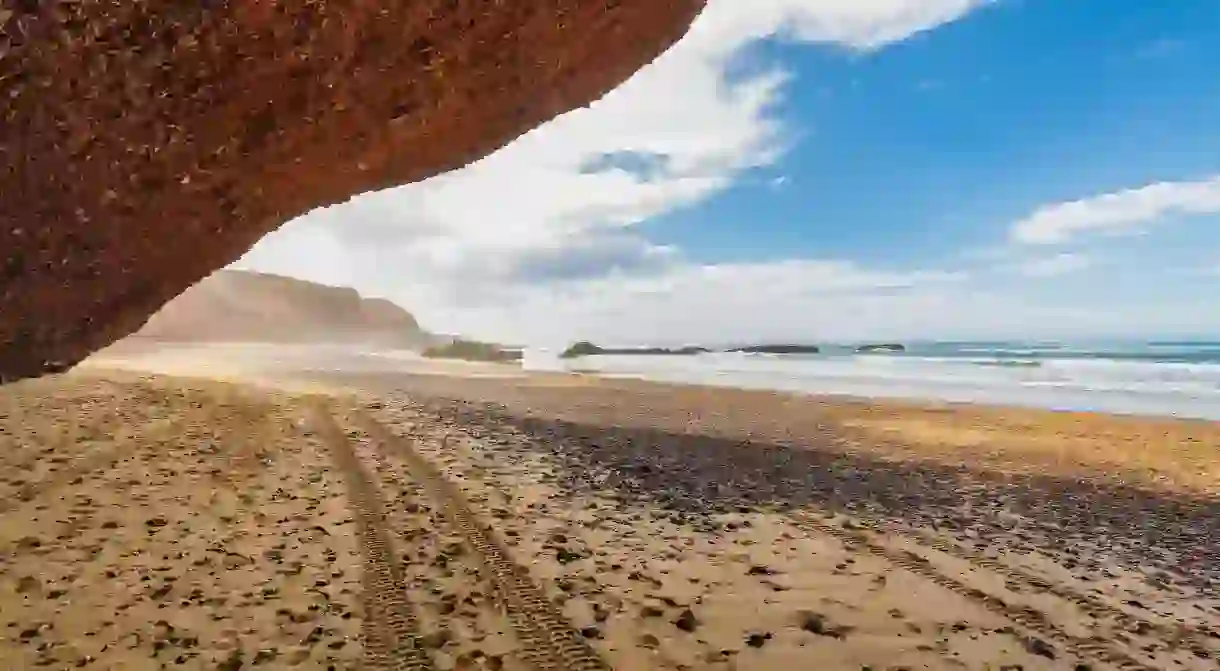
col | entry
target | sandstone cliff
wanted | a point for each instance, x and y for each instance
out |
(146, 143)
(237, 306)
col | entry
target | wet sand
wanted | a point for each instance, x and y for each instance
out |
(158, 521)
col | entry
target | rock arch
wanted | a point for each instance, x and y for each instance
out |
(146, 143)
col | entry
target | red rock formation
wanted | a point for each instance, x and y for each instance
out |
(146, 143)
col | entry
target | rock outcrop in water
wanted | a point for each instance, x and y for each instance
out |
(473, 350)
(586, 348)
(881, 347)
(778, 349)
(146, 143)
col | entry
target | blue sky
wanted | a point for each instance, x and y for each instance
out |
(833, 170)
(937, 143)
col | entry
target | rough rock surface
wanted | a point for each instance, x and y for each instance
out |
(146, 143)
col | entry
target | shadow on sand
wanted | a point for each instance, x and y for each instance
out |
(1080, 523)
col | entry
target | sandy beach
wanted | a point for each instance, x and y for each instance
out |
(492, 519)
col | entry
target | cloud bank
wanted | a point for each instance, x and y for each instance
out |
(1121, 213)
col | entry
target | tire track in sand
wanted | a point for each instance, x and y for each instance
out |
(391, 631)
(548, 641)
(1192, 639)
(1029, 619)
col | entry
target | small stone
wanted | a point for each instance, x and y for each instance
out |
(233, 662)
(436, 639)
(314, 636)
(687, 621)
(757, 640)
(28, 584)
(1038, 647)
(566, 556)
(816, 623)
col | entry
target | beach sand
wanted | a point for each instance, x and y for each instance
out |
(473, 518)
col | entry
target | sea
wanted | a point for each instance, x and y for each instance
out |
(1161, 378)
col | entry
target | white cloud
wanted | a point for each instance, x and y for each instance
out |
(1054, 266)
(859, 24)
(1122, 212)
(549, 218)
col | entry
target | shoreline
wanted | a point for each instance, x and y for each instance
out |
(931, 390)
(1172, 453)
(208, 359)
(1162, 453)
(910, 402)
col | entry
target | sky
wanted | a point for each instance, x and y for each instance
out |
(828, 170)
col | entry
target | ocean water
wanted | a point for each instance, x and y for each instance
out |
(1166, 378)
